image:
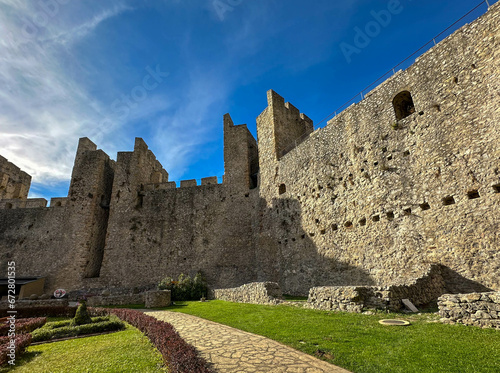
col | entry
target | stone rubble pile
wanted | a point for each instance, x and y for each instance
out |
(479, 309)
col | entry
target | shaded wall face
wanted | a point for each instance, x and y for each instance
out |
(391, 197)
(42, 242)
(65, 241)
(288, 254)
(181, 230)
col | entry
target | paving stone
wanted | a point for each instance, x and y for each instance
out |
(231, 350)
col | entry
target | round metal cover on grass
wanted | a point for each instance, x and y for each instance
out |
(394, 322)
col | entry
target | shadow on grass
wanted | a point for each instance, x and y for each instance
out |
(294, 298)
(176, 305)
(21, 360)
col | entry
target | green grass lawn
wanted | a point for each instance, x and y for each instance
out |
(358, 342)
(125, 351)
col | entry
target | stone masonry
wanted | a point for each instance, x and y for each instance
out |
(406, 179)
(479, 309)
(157, 298)
(421, 292)
(256, 293)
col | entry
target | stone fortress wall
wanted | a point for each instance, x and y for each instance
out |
(407, 179)
(382, 197)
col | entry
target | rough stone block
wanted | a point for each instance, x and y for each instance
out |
(188, 183)
(157, 298)
(255, 292)
(470, 309)
(209, 180)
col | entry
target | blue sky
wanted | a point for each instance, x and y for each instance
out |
(168, 70)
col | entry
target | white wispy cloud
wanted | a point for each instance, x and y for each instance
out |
(80, 31)
(43, 110)
(180, 134)
(46, 105)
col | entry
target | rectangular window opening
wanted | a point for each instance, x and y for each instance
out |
(390, 215)
(362, 222)
(282, 189)
(376, 218)
(447, 201)
(407, 211)
(425, 206)
(473, 194)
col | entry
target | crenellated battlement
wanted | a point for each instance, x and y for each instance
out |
(8, 204)
(59, 201)
(213, 180)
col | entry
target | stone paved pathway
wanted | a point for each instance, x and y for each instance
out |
(235, 351)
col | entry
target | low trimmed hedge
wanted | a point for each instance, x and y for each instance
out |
(23, 326)
(62, 323)
(21, 342)
(179, 356)
(62, 329)
(47, 311)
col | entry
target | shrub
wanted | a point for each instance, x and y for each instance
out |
(200, 288)
(82, 316)
(23, 326)
(179, 356)
(21, 341)
(185, 288)
(63, 329)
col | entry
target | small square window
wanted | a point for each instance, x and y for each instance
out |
(447, 201)
(473, 194)
(425, 206)
(282, 189)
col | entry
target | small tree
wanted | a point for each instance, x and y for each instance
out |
(200, 287)
(82, 315)
(166, 284)
(185, 288)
